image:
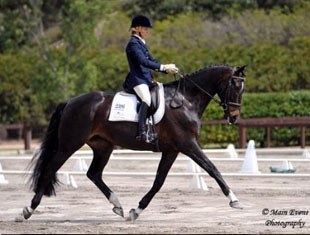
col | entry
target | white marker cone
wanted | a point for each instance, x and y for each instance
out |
(306, 153)
(80, 165)
(203, 184)
(232, 151)
(197, 181)
(191, 167)
(72, 182)
(286, 165)
(69, 180)
(250, 160)
(2, 179)
(290, 166)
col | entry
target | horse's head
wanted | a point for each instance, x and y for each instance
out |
(231, 94)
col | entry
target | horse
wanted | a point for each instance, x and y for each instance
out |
(84, 120)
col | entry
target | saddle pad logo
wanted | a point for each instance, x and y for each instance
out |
(124, 108)
(120, 106)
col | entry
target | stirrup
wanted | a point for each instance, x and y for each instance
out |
(151, 137)
(146, 137)
(142, 137)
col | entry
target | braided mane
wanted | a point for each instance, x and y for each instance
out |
(198, 72)
(205, 69)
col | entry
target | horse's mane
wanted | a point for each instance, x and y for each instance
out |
(205, 70)
(198, 72)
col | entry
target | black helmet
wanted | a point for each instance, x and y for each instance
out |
(141, 20)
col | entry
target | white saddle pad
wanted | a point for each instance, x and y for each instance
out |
(124, 107)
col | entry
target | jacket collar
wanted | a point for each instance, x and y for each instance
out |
(141, 39)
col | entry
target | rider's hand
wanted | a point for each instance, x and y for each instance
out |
(170, 68)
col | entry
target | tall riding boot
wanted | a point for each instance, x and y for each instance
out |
(142, 136)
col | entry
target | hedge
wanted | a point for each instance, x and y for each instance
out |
(295, 103)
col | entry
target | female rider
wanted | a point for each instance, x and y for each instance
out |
(140, 61)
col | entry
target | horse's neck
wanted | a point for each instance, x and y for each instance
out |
(200, 94)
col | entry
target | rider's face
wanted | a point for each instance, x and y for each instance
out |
(143, 31)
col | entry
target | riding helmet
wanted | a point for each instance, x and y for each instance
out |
(141, 20)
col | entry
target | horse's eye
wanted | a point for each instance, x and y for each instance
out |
(238, 83)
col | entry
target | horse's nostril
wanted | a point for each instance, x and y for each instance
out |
(232, 119)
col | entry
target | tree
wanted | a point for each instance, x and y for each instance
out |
(18, 101)
(162, 9)
(58, 53)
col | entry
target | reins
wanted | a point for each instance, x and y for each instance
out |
(224, 104)
(199, 87)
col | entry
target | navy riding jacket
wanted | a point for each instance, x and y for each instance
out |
(140, 62)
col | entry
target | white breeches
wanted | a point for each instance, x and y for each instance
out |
(143, 92)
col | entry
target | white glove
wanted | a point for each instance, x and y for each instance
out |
(170, 68)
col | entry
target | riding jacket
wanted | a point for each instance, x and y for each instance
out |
(140, 62)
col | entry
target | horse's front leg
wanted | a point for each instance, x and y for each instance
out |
(193, 150)
(164, 166)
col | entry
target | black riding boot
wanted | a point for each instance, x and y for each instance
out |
(142, 136)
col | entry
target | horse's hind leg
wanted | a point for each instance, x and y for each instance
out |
(102, 151)
(46, 182)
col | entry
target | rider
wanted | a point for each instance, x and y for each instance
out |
(140, 61)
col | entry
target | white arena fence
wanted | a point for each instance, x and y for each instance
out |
(225, 155)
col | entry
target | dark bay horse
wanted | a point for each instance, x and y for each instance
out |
(84, 119)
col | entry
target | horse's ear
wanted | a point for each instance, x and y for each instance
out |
(240, 70)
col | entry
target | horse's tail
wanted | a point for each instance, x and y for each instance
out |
(44, 156)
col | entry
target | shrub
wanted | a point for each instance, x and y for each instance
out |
(295, 103)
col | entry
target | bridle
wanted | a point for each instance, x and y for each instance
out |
(224, 104)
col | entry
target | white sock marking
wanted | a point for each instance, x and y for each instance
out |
(138, 211)
(232, 197)
(30, 210)
(114, 200)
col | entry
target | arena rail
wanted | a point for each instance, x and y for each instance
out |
(268, 123)
(107, 173)
(113, 158)
(243, 124)
(196, 173)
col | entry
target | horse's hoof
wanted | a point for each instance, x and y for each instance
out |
(236, 205)
(27, 212)
(118, 210)
(133, 215)
(20, 218)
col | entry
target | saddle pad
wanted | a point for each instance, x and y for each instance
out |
(124, 107)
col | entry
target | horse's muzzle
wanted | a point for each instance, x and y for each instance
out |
(232, 116)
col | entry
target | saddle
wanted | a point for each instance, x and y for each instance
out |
(125, 106)
(154, 99)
